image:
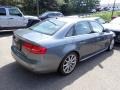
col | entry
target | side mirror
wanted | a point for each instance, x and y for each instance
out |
(19, 15)
(106, 30)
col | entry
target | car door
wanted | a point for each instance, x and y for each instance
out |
(84, 39)
(3, 18)
(16, 18)
(102, 37)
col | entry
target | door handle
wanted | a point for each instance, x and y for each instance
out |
(10, 18)
(83, 42)
(98, 38)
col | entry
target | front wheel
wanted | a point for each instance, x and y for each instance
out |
(111, 45)
(68, 64)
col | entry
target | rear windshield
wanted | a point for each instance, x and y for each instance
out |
(48, 27)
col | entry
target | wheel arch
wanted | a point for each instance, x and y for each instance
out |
(72, 51)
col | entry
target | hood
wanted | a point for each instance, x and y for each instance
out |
(31, 17)
(112, 27)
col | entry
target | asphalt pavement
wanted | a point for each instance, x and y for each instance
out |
(101, 72)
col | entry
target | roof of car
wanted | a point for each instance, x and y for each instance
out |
(93, 18)
(52, 12)
(80, 16)
(1, 6)
(73, 20)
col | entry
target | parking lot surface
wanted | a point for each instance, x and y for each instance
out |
(101, 72)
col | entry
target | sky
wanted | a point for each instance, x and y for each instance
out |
(109, 1)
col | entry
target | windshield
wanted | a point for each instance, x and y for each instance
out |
(116, 21)
(48, 27)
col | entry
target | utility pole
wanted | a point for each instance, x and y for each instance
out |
(113, 9)
(37, 1)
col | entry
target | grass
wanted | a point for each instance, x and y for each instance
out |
(106, 15)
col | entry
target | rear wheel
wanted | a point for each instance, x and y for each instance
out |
(68, 64)
(111, 45)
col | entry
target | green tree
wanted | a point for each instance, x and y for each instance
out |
(48, 5)
(65, 6)
(80, 6)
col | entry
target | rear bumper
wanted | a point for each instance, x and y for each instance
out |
(32, 65)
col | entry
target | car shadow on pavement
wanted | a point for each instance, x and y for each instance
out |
(6, 33)
(14, 77)
(117, 46)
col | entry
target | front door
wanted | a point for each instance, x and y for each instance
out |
(16, 18)
(84, 39)
(3, 18)
(102, 37)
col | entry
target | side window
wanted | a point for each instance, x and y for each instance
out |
(14, 12)
(2, 12)
(59, 14)
(101, 21)
(51, 15)
(82, 28)
(70, 32)
(56, 14)
(96, 27)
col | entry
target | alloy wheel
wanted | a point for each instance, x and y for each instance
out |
(69, 63)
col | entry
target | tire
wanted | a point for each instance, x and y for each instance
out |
(68, 64)
(111, 46)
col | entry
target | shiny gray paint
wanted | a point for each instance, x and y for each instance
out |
(58, 46)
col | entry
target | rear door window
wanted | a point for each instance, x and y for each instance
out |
(2, 12)
(82, 27)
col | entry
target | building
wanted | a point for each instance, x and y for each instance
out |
(110, 6)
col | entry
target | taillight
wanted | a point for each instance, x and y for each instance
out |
(34, 48)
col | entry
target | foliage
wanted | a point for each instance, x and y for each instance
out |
(80, 6)
(65, 6)
(106, 15)
(49, 5)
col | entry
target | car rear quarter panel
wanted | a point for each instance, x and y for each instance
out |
(56, 53)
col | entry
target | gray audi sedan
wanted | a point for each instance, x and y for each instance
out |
(59, 44)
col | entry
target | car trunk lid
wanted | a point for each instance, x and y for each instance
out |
(28, 36)
(31, 35)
